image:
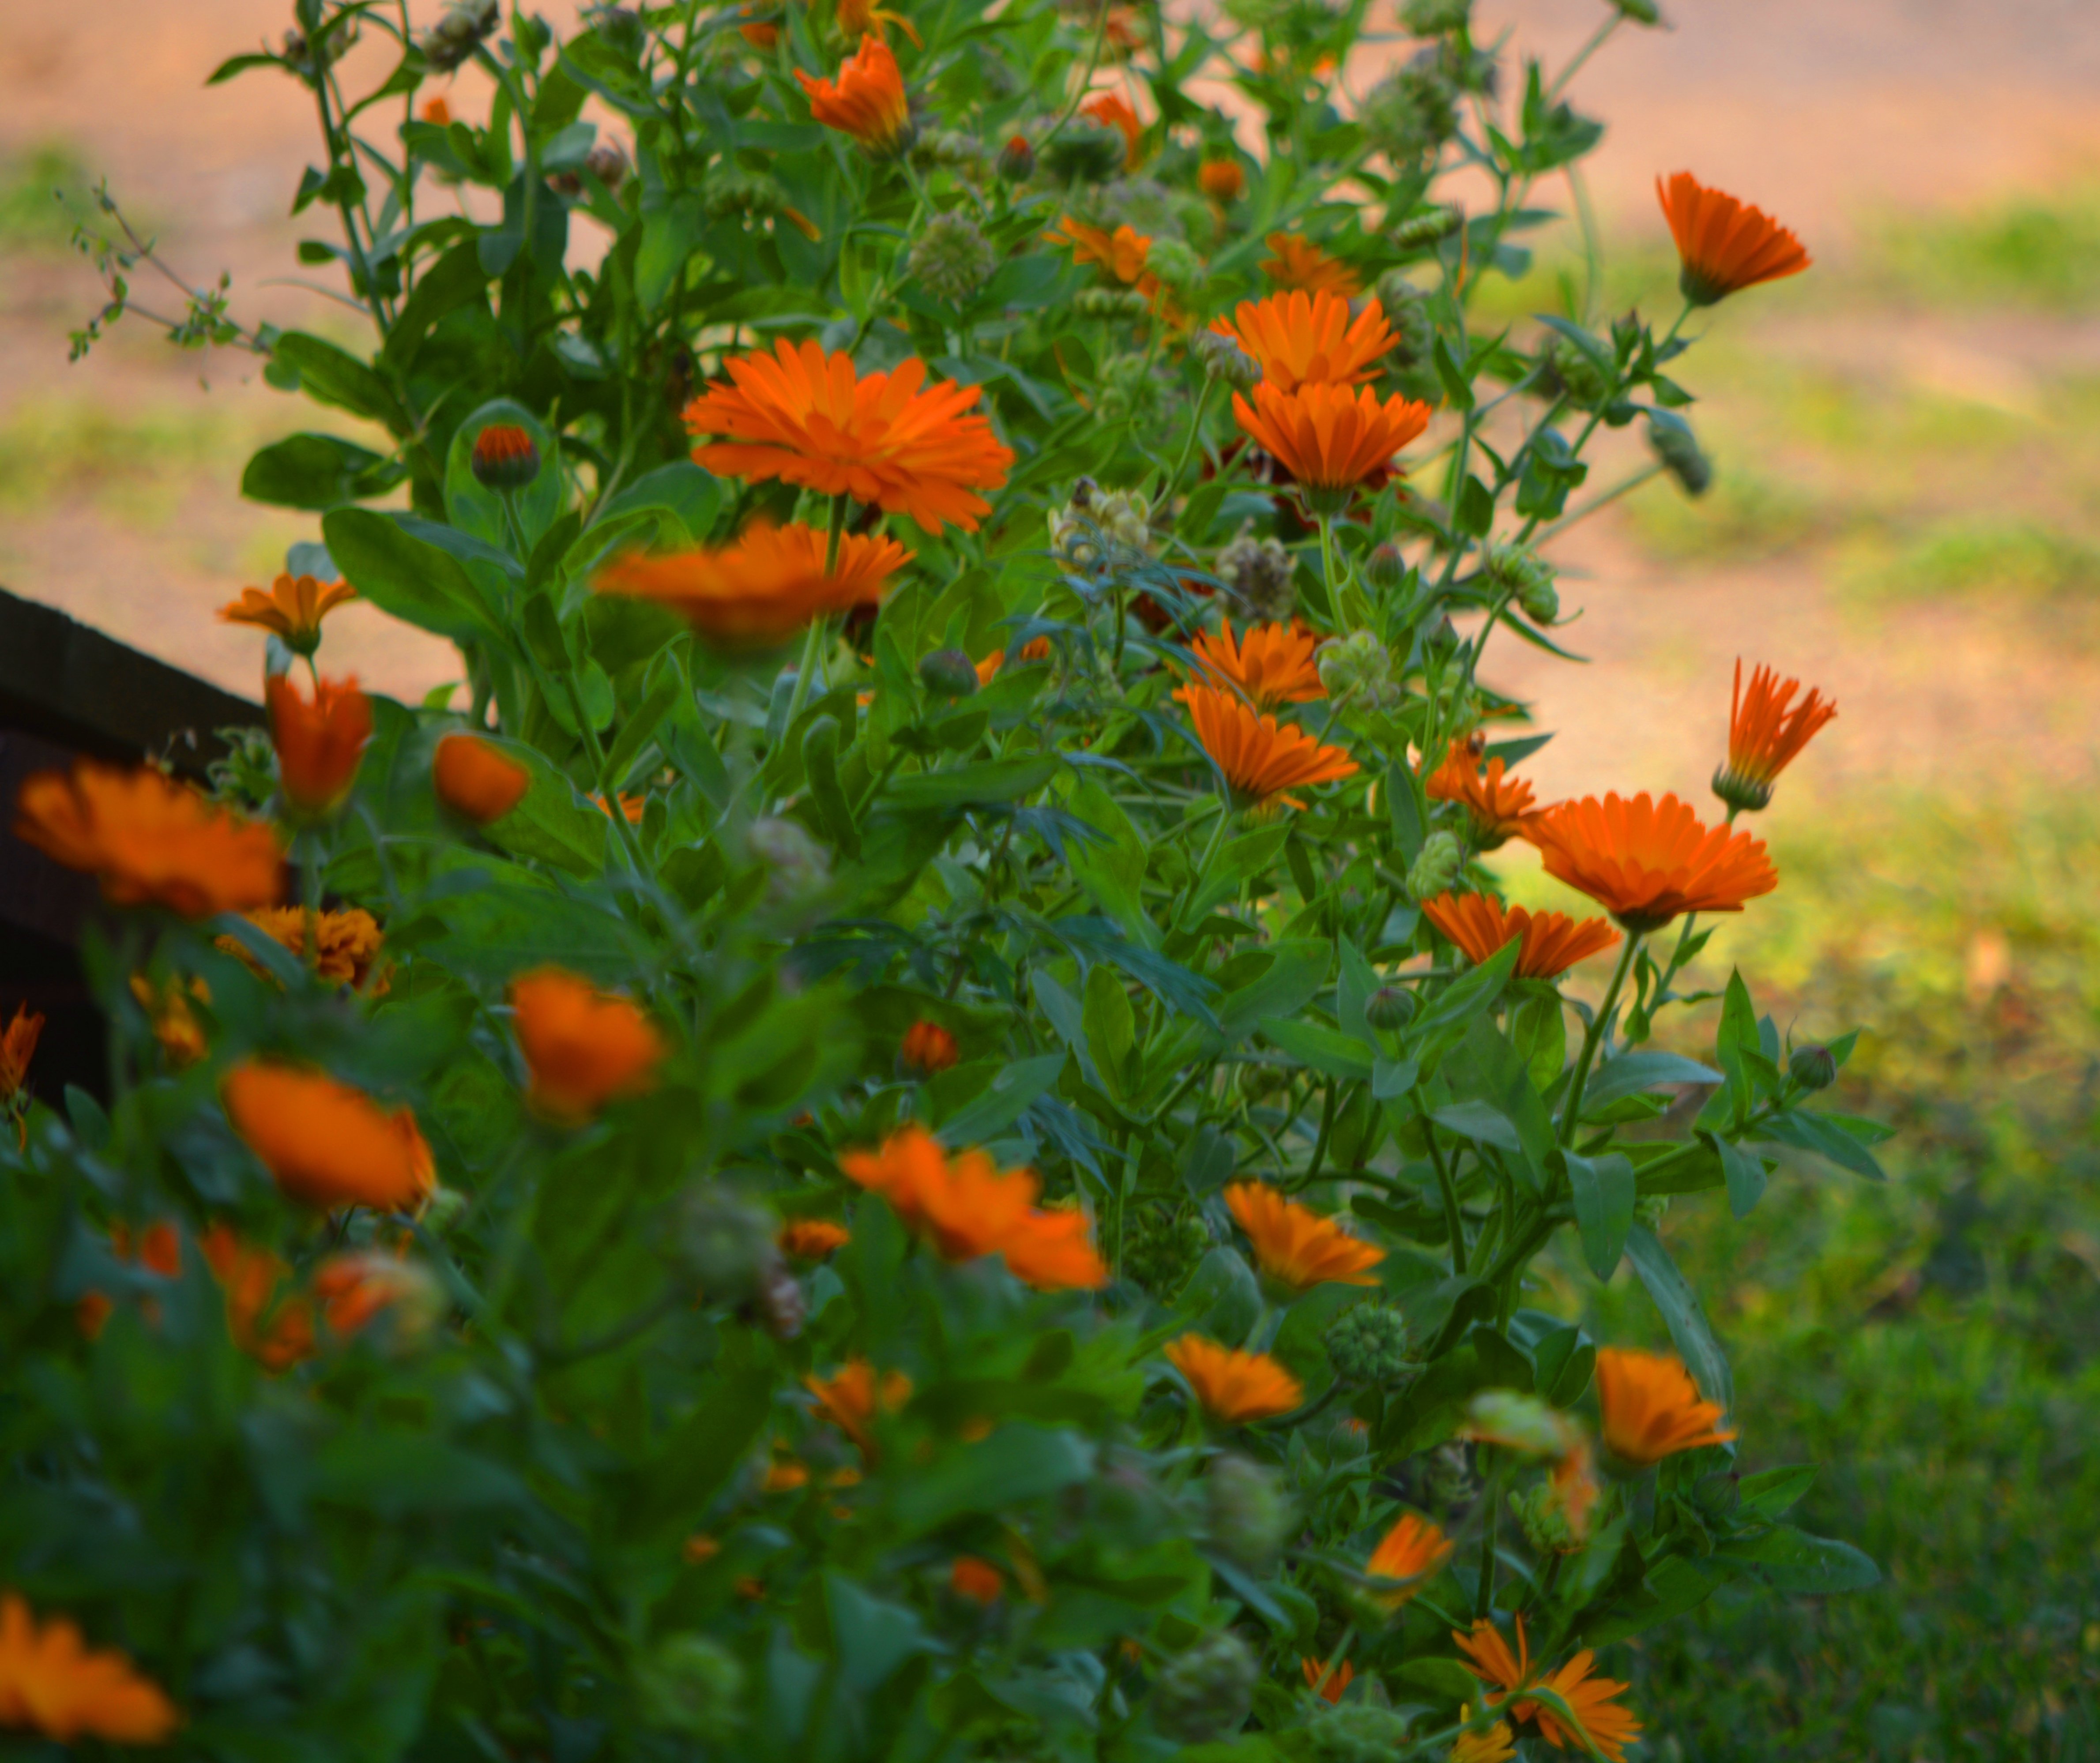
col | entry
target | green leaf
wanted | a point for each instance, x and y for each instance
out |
(1630, 1073)
(417, 583)
(1004, 1102)
(317, 472)
(1689, 1330)
(1472, 994)
(1111, 1030)
(1222, 1298)
(873, 1636)
(1745, 1172)
(1604, 1193)
(1481, 1121)
(1792, 1560)
(1824, 1135)
(1445, 1679)
(995, 780)
(1295, 972)
(1771, 1493)
(681, 490)
(1539, 1030)
(1018, 1463)
(331, 376)
(1325, 1050)
(551, 825)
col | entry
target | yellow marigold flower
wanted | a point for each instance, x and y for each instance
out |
(1298, 262)
(1314, 339)
(474, 780)
(293, 609)
(1410, 1553)
(1647, 861)
(1551, 943)
(1271, 664)
(1723, 245)
(1652, 1409)
(853, 1396)
(1261, 760)
(582, 1047)
(52, 1683)
(326, 1144)
(867, 100)
(347, 943)
(1234, 1388)
(1295, 1245)
(1767, 731)
(151, 841)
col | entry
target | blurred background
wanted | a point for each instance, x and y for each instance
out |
(1906, 513)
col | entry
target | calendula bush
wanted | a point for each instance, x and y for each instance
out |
(911, 1127)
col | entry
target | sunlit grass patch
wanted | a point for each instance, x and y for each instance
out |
(2037, 250)
(45, 192)
(1970, 556)
(131, 461)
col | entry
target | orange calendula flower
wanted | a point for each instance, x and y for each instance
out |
(1222, 180)
(293, 609)
(852, 1398)
(18, 1046)
(582, 1047)
(1652, 1409)
(1117, 112)
(1330, 438)
(1410, 1552)
(1295, 1245)
(1300, 263)
(927, 1048)
(813, 1239)
(276, 1329)
(1603, 1721)
(1261, 760)
(764, 587)
(1551, 943)
(355, 1290)
(1767, 731)
(1052, 1249)
(864, 18)
(1491, 1744)
(867, 100)
(1035, 650)
(1123, 252)
(347, 943)
(51, 1682)
(1336, 1681)
(151, 840)
(326, 1144)
(1309, 339)
(1234, 1388)
(761, 32)
(1498, 806)
(1646, 861)
(809, 418)
(976, 1579)
(473, 779)
(319, 741)
(1271, 663)
(1722, 245)
(633, 809)
(174, 1023)
(784, 1477)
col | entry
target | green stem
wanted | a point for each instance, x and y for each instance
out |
(835, 534)
(1571, 1111)
(1453, 1219)
(1598, 39)
(1189, 446)
(1327, 565)
(1484, 1594)
(1603, 501)
(804, 669)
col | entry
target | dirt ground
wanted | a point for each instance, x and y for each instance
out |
(1830, 112)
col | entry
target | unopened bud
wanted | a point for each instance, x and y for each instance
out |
(724, 1245)
(950, 258)
(1435, 18)
(949, 673)
(1650, 1210)
(1678, 448)
(1450, 1481)
(1207, 1692)
(1222, 359)
(1016, 159)
(1436, 865)
(797, 865)
(1249, 1514)
(1639, 11)
(1385, 567)
(1419, 231)
(1518, 571)
(1358, 1732)
(450, 43)
(1813, 1067)
(1371, 1344)
(1357, 666)
(1174, 263)
(505, 457)
(1086, 151)
(1521, 1422)
(1390, 1006)
(1543, 1518)
(1259, 572)
(1161, 1252)
(693, 1686)
(607, 163)
(781, 1307)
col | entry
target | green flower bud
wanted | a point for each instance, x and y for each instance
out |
(444, 1209)
(1410, 113)
(1675, 444)
(1161, 1251)
(1521, 1422)
(950, 258)
(797, 865)
(1544, 1521)
(1418, 232)
(1222, 359)
(1371, 1343)
(1145, 205)
(1358, 1732)
(1519, 571)
(1174, 263)
(954, 148)
(1016, 159)
(1434, 18)
(1650, 1210)
(1407, 309)
(691, 1685)
(450, 43)
(1813, 1067)
(1390, 1006)
(729, 189)
(1249, 1512)
(1206, 1693)
(505, 457)
(1358, 665)
(1259, 571)
(1436, 865)
(949, 673)
(723, 1244)
(1086, 151)
(1385, 567)
(1130, 387)
(1111, 303)
(1573, 369)
(1639, 11)
(1450, 1481)
(620, 26)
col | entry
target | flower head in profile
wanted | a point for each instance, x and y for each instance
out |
(1723, 245)
(1231, 1387)
(1652, 1409)
(1117, 112)
(292, 610)
(347, 943)
(1497, 805)
(864, 18)
(1271, 665)
(1222, 180)
(1489, 1744)
(854, 1395)
(1295, 1245)
(18, 1046)
(813, 1239)
(1298, 263)
(473, 779)
(1261, 760)
(1330, 438)
(326, 1144)
(867, 101)
(53, 1683)
(582, 1047)
(1309, 339)
(168, 1013)
(1329, 1684)
(151, 841)
(1647, 861)
(1767, 731)
(809, 417)
(268, 1320)
(320, 742)
(1123, 252)
(1409, 1554)
(1605, 1725)
(764, 587)
(1549, 942)
(928, 1049)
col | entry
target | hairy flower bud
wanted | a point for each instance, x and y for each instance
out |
(1390, 1006)
(1434, 18)
(1086, 152)
(1160, 1252)
(1418, 232)
(450, 43)
(1174, 263)
(732, 189)
(1249, 1514)
(1016, 159)
(1543, 1519)
(954, 148)
(796, 864)
(1639, 11)
(1813, 1067)
(1258, 571)
(1129, 387)
(1385, 567)
(1110, 303)
(1407, 309)
(950, 258)
(1357, 666)
(724, 1245)
(949, 673)
(689, 1685)
(1207, 1692)
(1369, 1343)
(1222, 359)
(1518, 571)
(1357, 1732)
(1574, 370)
(1411, 112)
(1436, 865)
(1678, 448)
(1450, 1482)
(620, 26)
(1650, 1210)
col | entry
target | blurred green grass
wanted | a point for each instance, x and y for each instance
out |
(45, 192)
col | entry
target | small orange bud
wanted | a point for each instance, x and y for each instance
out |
(437, 113)
(505, 457)
(813, 1239)
(475, 780)
(928, 1048)
(977, 1580)
(700, 1549)
(1222, 180)
(319, 742)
